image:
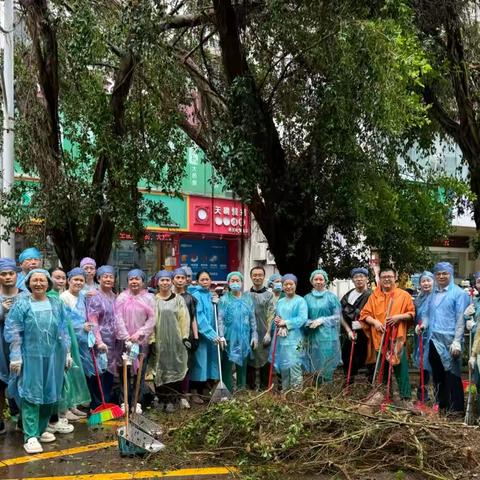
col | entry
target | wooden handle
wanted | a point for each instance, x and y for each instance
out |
(125, 394)
(139, 380)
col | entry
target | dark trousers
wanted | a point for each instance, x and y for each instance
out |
(252, 376)
(169, 392)
(359, 353)
(448, 387)
(107, 385)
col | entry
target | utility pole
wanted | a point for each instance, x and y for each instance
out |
(7, 248)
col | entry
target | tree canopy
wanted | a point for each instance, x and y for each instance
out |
(304, 108)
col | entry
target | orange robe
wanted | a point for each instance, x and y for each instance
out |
(376, 307)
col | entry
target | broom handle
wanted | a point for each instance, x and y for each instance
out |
(352, 347)
(97, 375)
(125, 394)
(139, 379)
(422, 378)
(218, 344)
(274, 349)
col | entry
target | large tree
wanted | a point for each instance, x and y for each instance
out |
(303, 108)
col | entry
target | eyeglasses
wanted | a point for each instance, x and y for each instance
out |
(383, 277)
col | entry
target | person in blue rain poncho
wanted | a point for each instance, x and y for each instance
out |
(444, 319)
(291, 317)
(29, 259)
(322, 332)
(426, 281)
(275, 285)
(101, 313)
(36, 329)
(238, 326)
(8, 296)
(204, 364)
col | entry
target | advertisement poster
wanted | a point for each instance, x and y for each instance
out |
(210, 255)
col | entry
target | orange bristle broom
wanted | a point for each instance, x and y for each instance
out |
(106, 411)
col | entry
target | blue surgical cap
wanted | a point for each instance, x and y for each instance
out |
(232, 274)
(476, 275)
(319, 271)
(188, 271)
(359, 271)
(136, 272)
(38, 270)
(7, 264)
(179, 271)
(290, 276)
(31, 252)
(443, 267)
(77, 272)
(163, 274)
(428, 274)
(105, 269)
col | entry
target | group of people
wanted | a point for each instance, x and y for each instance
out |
(64, 333)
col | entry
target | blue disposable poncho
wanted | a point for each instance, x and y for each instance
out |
(77, 312)
(37, 333)
(204, 363)
(446, 321)
(289, 349)
(4, 346)
(237, 324)
(322, 344)
(421, 304)
(101, 311)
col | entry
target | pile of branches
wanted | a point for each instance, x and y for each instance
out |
(319, 431)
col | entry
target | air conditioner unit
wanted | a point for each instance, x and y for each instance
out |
(259, 252)
(270, 258)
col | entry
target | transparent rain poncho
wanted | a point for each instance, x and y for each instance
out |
(289, 349)
(236, 322)
(421, 305)
(101, 312)
(77, 312)
(204, 363)
(135, 315)
(264, 305)
(446, 322)
(322, 344)
(172, 325)
(37, 333)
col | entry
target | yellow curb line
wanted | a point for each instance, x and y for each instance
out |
(184, 472)
(58, 453)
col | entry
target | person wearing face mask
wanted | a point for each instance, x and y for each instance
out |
(264, 305)
(291, 317)
(76, 302)
(29, 259)
(387, 298)
(237, 324)
(101, 313)
(322, 343)
(352, 303)
(275, 285)
(135, 314)
(421, 324)
(204, 365)
(445, 313)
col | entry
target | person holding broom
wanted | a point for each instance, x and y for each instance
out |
(385, 320)
(352, 303)
(36, 329)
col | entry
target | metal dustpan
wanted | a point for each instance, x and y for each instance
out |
(137, 420)
(221, 393)
(133, 441)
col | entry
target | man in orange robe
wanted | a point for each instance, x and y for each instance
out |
(388, 299)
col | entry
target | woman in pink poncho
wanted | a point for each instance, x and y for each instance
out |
(135, 313)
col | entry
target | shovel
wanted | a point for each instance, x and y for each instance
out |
(468, 412)
(274, 350)
(221, 393)
(350, 366)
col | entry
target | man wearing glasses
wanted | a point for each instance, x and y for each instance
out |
(389, 310)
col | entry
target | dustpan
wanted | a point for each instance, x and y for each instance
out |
(221, 393)
(139, 421)
(133, 441)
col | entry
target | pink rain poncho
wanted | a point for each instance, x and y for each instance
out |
(135, 315)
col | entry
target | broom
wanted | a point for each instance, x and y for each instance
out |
(106, 411)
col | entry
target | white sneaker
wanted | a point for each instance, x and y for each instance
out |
(70, 416)
(184, 405)
(33, 446)
(62, 426)
(47, 437)
(138, 410)
(78, 412)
